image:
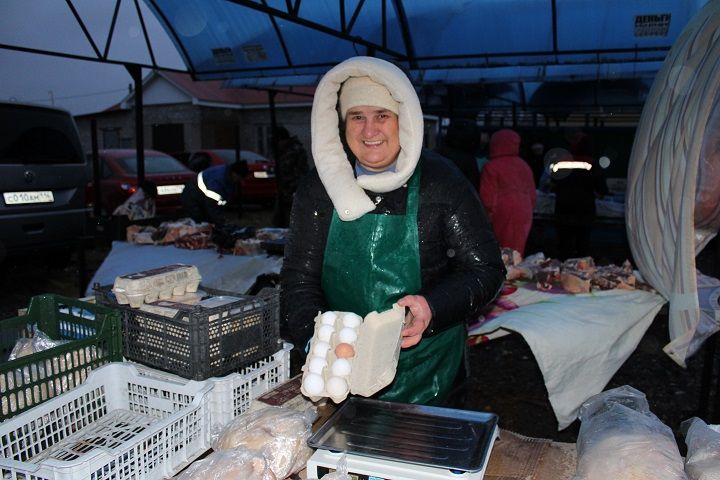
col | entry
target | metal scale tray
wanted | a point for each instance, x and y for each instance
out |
(432, 436)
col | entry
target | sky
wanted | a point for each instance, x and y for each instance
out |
(76, 85)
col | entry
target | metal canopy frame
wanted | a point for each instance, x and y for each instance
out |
(389, 29)
(408, 56)
(345, 17)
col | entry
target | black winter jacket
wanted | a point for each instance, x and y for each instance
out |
(461, 267)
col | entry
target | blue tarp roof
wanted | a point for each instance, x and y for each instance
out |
(272, 43)
(437, 41)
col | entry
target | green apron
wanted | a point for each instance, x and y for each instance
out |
(369, 264)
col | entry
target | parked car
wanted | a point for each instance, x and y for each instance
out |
(258, 186)
(118, 179)
(42, 180)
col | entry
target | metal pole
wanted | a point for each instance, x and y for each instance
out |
(273, 125)
(136, 74)
(96, 170)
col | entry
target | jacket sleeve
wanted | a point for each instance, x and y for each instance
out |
(474, 272)
(301, 296)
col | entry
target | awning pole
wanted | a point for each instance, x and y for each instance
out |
(136, 73)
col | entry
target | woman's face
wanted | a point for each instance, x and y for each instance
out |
(373, 135)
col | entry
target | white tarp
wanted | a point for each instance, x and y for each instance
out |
(673, 178)
(579, 341)
(231, 273)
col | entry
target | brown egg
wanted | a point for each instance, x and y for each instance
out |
(344, 350)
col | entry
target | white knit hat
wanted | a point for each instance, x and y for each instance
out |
(357, 91)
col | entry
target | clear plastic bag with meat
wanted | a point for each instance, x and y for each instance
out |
(621, 439)
(235, 464)
(279, 434)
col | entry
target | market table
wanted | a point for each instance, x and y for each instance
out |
(578, 340)
(232, 273)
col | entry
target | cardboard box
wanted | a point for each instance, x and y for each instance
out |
(376, 353)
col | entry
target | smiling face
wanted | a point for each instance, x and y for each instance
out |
(373, 135)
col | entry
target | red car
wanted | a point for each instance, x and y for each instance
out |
(118, 178)
(258, 186)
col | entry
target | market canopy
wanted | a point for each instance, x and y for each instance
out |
(513, 45)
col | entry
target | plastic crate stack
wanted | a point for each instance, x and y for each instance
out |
(94, 338)
(123, 420)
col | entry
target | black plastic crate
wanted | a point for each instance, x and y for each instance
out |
(94, 335)
(200, 342)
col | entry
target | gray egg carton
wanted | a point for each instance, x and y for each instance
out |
(156, 284)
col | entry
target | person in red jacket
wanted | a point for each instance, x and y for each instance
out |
(507, 189)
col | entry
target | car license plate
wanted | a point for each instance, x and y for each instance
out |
(263, 175)
(24, 198)
(170, 189)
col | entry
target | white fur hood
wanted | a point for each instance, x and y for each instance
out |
(331, 162)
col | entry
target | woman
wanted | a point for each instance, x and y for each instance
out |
(380, 221)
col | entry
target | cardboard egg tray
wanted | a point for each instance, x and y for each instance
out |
(156, 284)
(376, 353)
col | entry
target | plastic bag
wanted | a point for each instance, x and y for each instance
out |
(703, 449)
(44, 374)
(340, 474)
(235, 464)
(620, 439)
(280, 434)
(37, 343)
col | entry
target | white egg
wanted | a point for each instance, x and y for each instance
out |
(341, 367)
(337, 387)
(328, 318)
(352, 320)
(321, 348)
(313, 384)
(317, 364)
(325, 332)
(347, 335)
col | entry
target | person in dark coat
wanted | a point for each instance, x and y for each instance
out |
(575, 192)
(292, 163)
(205, 197)
(380, 221)
(535, 157)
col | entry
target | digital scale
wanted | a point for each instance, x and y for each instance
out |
(394, 441)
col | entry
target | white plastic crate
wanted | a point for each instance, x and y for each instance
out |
(232, 394)
(118, 425)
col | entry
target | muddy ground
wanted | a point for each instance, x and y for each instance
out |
(505, 378)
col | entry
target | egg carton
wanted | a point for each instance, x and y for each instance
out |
(351, 354)
(158, 283)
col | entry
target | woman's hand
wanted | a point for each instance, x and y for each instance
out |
(416, 321)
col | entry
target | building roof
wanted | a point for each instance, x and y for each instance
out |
(214, 91)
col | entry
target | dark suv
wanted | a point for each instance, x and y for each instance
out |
(42, 180)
